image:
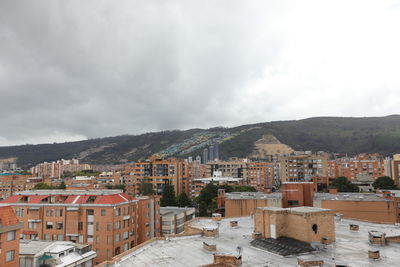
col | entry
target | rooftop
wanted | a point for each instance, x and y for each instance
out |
(351, 247)
(7, 216)
(94, 192)
(301, 210)
(350, 197)
(253, 195)
(169, 211)
(67, 253)
(68, 197)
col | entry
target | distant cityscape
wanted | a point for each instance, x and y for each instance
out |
(104, 212)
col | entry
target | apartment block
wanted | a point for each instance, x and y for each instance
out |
(159, 172)
(302, 166)
(57, 168)
(10, 228)
(359, 167)
(108, 220)
(14, 182)
(263, 175)
(233, 167)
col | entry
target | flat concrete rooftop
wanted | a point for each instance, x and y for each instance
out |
(253, 195)
(350, 197)
(351, 247)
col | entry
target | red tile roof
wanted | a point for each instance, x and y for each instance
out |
(7, 216)
(12, 199)
(82, 200)
(37, 199)
(70, 199)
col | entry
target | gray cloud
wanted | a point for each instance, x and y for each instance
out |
(82, 69)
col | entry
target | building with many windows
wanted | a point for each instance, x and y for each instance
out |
(108, 220)
(10, 228)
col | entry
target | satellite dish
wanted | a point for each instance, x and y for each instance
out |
(239, 250)
(317, 246)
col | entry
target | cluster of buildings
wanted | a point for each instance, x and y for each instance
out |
(190, 176)
(57, 168)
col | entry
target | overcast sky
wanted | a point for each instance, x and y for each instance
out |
(71, 70)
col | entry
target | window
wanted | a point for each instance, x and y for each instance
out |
(10, 255)
(108, 239)
(97, 239)
(46, 237)
(126, 246)
(60, 238)
(59, 225)
(89, 212)
(90, 238)
(293, 202)
(49, 225)
(103, 212)
(126, 235)
(108, 227)
(25, 262)
(97, 226)
(117, 238)
(315, 228)
(80, 225)
(118, 212)
(11, 235)
(117, 225)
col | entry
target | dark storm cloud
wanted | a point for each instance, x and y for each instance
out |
(77, 69)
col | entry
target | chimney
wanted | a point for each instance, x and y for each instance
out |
(333, 191)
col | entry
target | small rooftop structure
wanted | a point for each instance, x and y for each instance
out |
(55, 253)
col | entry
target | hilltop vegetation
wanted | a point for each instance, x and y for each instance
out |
(332, 134)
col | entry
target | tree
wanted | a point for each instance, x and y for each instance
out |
(343, 185)
(384, 182)
(183, 200)
(206, 199)
(168, 196)
(42, 186)
(146, 188)
(62, 185)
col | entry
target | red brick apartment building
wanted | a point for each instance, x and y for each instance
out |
(261, 175)
(109, 220)
(9, 237)
(159, 171)
(363, 165)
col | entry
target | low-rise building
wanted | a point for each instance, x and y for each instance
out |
(173, 219)
(55, 254)
(245, 203)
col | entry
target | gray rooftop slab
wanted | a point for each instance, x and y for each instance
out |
(350, 197)
(351, 247)
(253, 195)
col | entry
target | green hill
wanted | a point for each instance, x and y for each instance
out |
(331, 134)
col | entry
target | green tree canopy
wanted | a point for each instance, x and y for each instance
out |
(168, 196)
(384, 182)
(146, 188)
(344, 185)
(183, 200)
(42, 186)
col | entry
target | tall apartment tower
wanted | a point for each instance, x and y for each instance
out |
(216, 151)
(211, 155)
(205, 155)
